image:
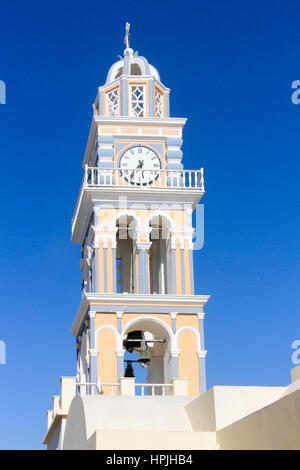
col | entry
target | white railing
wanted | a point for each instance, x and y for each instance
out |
(113, 387)
(84, 388)
(139, 178)
(152, 388)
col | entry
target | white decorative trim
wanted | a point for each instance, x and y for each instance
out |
(188, 328)
(90, 298)
(173, 315)
(201, 353)
(143, 245)
(119, 314)
(200, 316)
(119, 343)
(93, 352)
(120, 352)
(92, 313)
(175, 353)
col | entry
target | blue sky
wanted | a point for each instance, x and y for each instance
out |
(230, 66)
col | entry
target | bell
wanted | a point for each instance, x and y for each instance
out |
(144, 358)
(129, 344)
(129, 372)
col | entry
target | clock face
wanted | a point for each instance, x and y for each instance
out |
(140, 165)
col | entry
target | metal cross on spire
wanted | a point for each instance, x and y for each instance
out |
(127, 35)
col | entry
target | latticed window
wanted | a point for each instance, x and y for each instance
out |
(158, 103)
(137, 100)
(112, 102)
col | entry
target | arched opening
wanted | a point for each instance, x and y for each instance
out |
(119, 73)
(160, 256)
(126, 254)
(159, 370)
(135, 69)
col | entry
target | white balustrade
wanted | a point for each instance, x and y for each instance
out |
(143, 178)
(154, 387)
(84, 388)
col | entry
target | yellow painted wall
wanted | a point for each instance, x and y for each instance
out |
(188, 361)
(109, 268)
(107, 359)
(178, 269)
(187, 269)
(101, 268)
(102, 319)
(187, 320)
(178, 216)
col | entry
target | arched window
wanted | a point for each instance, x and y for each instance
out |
(119, 73)
(135, 69)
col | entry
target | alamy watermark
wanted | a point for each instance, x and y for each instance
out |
(2, 352)
(2, 92)
(167, 221)
(295, 97)
(295, 358)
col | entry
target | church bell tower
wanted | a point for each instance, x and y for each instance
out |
(133, 220)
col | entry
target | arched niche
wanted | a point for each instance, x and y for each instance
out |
(107, 342)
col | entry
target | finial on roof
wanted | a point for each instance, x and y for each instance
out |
(127, 36)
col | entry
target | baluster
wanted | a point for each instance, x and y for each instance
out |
(163, 391)
(85, 175)
(142, 390)
(152, 391)
(159, 179)
(190, 179)
(112, 389)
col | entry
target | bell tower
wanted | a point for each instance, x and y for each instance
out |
(133, 220)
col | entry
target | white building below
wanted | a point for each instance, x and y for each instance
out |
(222, 418)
